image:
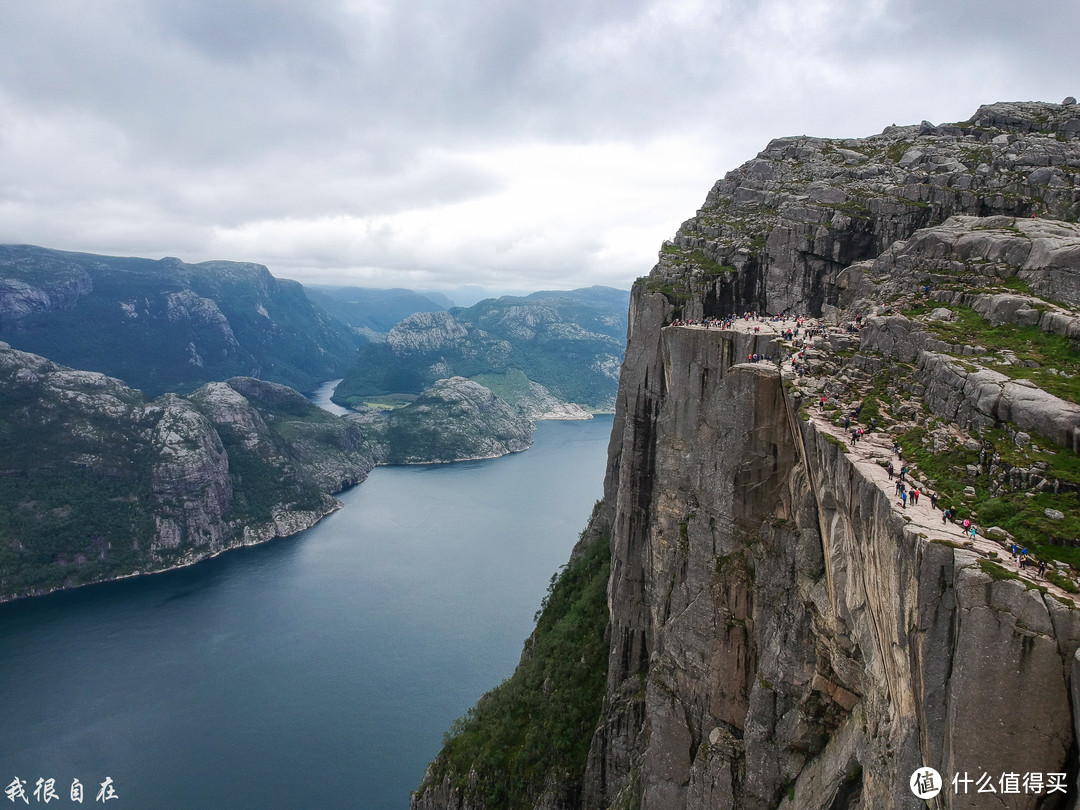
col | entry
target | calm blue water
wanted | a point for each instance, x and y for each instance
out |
(315, 671)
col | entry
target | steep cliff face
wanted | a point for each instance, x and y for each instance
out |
(780, 635)
(782, 631)
(97, 482)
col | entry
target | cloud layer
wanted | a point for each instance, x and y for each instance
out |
(430, 144)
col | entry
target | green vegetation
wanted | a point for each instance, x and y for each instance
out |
(897, 151)
(1020, 513)
(1062, 582)
(997, 572)
(710, 266)
(74, 491)
(388, 402)
(1000, 573)
(1029, 344)
(540, 721)
(81, 486)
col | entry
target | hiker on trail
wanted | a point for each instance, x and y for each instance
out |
(873, 423)
(1042, 568)
(903, 472)
(915, 496)
(889, 470)
(1015, 550)
(847, 422)
(945, 515)
(972, 531)
(854, 436)
(903, 498)
(933, 500)
(899, 486)
(967, 523)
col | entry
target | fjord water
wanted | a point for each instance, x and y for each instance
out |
(315, 671)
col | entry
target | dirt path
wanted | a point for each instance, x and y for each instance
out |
(874, 450)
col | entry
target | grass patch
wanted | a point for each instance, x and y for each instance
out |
(1062, 581)
(1027, 343)
(389, 402)
(1020, 513)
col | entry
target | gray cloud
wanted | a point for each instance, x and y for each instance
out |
(457, 142)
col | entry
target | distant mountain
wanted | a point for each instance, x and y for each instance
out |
(164, 325)
(373, 313)
(453, 420)
(97, 481)
(569, 344)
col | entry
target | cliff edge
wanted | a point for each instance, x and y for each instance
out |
(784, 630)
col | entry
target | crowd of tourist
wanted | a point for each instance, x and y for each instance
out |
(800, 332)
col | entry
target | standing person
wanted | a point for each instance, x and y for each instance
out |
(933, 500)
(889, 470)
(903, 498)
(1042, 568)
(915, 497)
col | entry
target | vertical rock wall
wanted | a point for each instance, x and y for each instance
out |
(778, 636)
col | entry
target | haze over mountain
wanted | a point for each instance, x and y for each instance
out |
(372, 313)
(570, 343)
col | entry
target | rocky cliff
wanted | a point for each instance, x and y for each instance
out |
(97, 481)
(454, 420)
(782, 631)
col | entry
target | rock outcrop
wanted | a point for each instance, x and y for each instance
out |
(97, 482)
(454, 420)
(781, 632)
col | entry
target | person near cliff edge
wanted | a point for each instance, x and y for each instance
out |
(903, 498)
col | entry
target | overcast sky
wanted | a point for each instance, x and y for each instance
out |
(427, 143)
